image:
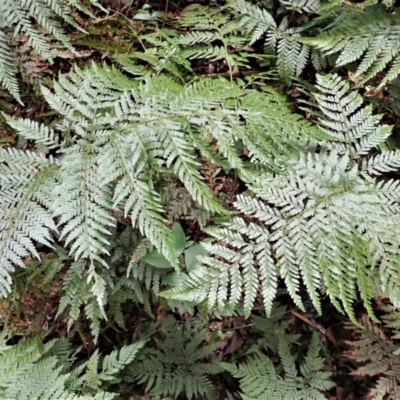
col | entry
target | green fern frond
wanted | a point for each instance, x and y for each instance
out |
(83, 205)
(308, 228)
(176, 364)
(354, 127)
(370, 35)
(320, 223)
(126, 131)
(308, 6)
(381, 163)
(208, 25)
(110, 366)
(36, 19)
(79, 292)
(29, 129)
(256, 20)
(8, 67)
(24, 215)
(96, 293)
(260, 380)
(377, 352)
(214, 34)
(292, 55)
(32, 370)
(274, 329)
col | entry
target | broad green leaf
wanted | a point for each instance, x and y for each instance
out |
(156, 259)
(173, 279)
(178, 238)
(191, 255)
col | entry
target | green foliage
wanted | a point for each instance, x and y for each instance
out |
(207, 27)
(177, 363)
(32, 370)
(323, 221)
(144, 129)
(24, 177)
(274, 329)
(370, 35)
(260, 379)
(31, 19)
(377, 349)
(291, 54)
(116, 190)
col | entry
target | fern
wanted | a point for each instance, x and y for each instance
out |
(210, 26)
(8, 67)
(274, 330)
(259, 378)
(309, 6)
(127, 132)
(23, 18)
(30, 370)
(24, 216)
(370, 35)
(378, 352)
(322, 222)
(175, 365)
(81, 297)
(355, 129)
(292, 55)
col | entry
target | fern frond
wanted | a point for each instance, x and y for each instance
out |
(378, 353)
(320, 222)
(259, 378)
(175, 365)
(292, 55)
(82, 203)
(78, 293)
(29, 129)
(111, 365)
(354, 127)
(385, 162)
(256, 20)
(215, 34)
(142, 126)
(24, 215)
(29, 372)
(371, 36)
(36, 19)
(309, 6)
(8, 67)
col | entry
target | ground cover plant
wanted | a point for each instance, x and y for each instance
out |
(199, 200)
